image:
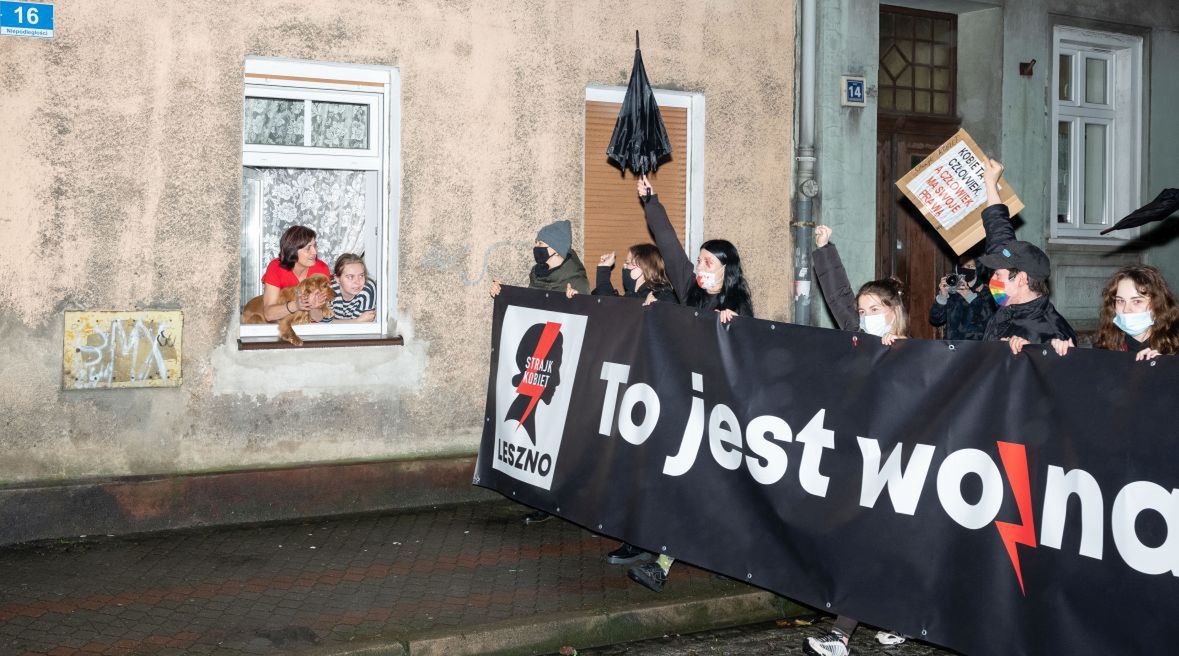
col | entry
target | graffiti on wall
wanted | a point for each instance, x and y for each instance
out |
(122, 349)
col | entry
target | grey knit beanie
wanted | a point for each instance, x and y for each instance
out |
(558, 235)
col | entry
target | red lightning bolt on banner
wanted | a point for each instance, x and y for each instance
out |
(1015, 462)
(526, 388)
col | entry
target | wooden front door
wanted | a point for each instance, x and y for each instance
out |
(907, 247)
(916, 113)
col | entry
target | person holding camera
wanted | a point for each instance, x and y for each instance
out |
(960, 304)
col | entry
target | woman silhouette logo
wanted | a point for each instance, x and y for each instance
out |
(538, 359)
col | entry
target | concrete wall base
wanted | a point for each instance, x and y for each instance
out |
(144, 504)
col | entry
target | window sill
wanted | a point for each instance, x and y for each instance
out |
(317, 341)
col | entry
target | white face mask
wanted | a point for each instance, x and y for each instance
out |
(634, 273)
(875, 324)
(706, 279)
(1135, 323)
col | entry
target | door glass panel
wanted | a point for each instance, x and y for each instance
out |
(941, 103)
(921, 102)
(904, 100)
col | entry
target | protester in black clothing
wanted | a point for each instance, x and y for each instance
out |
(557, 266)
(716, 282)
(1020, 280)
(1138, 314)
(877, 308)
(643, 276)
(965, 309)
(557, 269)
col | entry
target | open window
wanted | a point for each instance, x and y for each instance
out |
(320, 149)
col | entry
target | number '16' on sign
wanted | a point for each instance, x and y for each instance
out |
(33, 19)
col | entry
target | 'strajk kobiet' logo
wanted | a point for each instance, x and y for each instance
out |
(538, 354)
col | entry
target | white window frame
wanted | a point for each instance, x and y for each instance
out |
(1124, 120)
(380, 88)
(694, 184)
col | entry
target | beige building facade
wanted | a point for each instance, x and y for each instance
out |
(126, 185)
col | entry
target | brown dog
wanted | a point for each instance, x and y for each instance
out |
(252, 312)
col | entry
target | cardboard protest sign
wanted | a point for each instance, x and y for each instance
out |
(948, 188)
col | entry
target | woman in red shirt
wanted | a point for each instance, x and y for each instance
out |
(296, 260)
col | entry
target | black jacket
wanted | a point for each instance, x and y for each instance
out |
(963, 319)
(1037, 320)
(679, 268)
(604, 288)
(835, 286)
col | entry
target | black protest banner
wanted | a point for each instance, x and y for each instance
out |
(991, 503)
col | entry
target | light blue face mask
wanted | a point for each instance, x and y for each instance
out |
(1135, 323)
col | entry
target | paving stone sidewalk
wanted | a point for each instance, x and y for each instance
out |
(783, 638)
(329, 586)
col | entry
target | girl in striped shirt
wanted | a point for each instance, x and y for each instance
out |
(356, 293)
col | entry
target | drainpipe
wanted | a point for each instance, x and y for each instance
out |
(802, 228)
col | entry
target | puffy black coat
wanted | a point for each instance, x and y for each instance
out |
(1037, 320)
(835, 286)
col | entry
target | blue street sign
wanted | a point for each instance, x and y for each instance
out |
(855, 90)
(33, 19)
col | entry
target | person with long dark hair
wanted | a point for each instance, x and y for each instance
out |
(643, 276)
(717, 283)
(1138, 314)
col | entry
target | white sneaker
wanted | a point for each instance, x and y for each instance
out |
(889, 638)
(831, 644)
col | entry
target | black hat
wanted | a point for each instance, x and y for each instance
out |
(1019, 255)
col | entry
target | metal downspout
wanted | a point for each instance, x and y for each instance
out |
(803, 226)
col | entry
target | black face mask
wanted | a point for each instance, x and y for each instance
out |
(969, 275)
(628, 283)
(541, 254)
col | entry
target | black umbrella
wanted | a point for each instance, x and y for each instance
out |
(1156, 210)
(639, 140)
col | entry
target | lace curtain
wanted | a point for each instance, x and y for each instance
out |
(274, 122)
(277, 122)
(330, 202)
(339, 125)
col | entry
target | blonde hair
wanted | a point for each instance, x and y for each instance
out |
(892, 294)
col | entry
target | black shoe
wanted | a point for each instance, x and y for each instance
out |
(627, 554)
(537, 517)
(649, 575)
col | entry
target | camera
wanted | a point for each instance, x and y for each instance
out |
(955, 279)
